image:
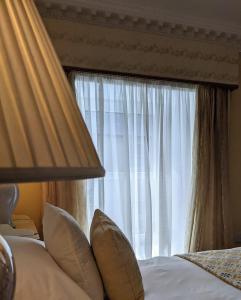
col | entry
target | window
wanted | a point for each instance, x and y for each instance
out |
(143, 133)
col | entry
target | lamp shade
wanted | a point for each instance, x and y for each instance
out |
(42, 133)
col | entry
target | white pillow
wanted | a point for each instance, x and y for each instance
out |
(69, 247)
(38, 276)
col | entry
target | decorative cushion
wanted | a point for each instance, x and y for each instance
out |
(69, 247)
(116, 260)
(9, 194)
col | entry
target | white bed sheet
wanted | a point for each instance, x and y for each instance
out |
(173, 278)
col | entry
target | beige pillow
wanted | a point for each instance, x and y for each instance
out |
(116, 260)
(69, 247)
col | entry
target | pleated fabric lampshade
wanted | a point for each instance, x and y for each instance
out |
(42, 133)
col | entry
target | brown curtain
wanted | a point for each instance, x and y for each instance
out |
(69, 195)
(209, 222)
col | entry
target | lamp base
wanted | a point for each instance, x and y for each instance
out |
(7, 271)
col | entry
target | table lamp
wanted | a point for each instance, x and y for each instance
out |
(42, 133)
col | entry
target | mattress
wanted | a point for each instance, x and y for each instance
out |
(173, 278)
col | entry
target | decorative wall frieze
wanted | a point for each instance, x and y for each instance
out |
(125, 44)
(75, 13)
(149, 69)
(150, 48)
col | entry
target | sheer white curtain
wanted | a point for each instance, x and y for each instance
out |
(143, 134)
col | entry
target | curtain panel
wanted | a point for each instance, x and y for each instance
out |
(68, 195)
(209, 226)
(165, 150)
(143, 132)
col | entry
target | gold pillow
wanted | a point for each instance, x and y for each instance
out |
(115, 259)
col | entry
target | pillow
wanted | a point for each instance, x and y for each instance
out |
(70, 248)
(38, 276)
(116, 260)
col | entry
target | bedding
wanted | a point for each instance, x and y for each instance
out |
(38, 277)
(174, 278)
(224, 264)
(164, 278)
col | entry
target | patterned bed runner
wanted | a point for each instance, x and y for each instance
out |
(224, 264)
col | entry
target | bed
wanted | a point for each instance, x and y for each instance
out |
(69, 266)
(164, 278)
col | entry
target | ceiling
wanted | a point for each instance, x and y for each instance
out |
(223, 15)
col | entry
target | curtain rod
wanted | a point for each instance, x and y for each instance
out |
(68, 69)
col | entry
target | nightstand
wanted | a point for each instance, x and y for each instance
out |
(24, 224)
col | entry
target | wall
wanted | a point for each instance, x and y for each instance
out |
(110, 42)
(89, 40)
(235, 158)
(166, 50)
(30, 202)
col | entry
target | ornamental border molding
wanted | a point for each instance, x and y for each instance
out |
(103, 18)
(150, 69)
(144, 48)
